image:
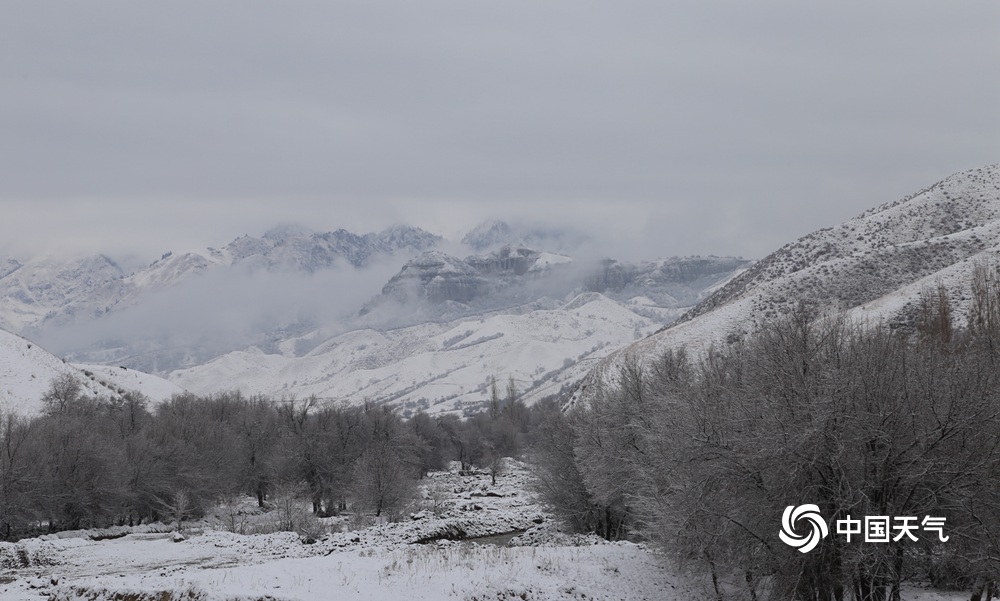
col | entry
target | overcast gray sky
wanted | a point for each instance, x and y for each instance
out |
(677, 127)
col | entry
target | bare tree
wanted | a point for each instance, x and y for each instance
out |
(383, 482)
(702, 456)
(64, 391)
(17, 476)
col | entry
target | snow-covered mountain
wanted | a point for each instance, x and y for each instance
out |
(443, 327)
(55, 290)
(872, 268)
(46, 292)
(494, 234)
(438, 366)
(27, 370)
(286, 314)
(512, 275)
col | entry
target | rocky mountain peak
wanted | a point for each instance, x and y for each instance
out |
(489, 234)
(287, 231)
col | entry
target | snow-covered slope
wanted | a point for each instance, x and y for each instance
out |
(873, 267)
(438, 366)
(121, 378)
(27, 370)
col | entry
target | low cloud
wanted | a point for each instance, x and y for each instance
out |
(221, 310)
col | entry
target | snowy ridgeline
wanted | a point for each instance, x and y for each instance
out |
(448, 547)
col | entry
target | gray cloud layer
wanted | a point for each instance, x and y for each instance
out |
(678, 126)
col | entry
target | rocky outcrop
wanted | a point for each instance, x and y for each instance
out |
(436, 277)
(609, 275)
(8, 266)
(678, 272)
(507, 260)
(294, 248)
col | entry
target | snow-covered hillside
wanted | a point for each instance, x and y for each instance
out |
(872, 268)
(543, 347)
(119, 378)
(27, 370)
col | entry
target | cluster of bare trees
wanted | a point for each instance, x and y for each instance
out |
(702, 455)
(96, 462)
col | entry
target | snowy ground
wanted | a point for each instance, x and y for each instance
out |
(411, 559)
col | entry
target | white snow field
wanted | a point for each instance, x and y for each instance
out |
(410, 559)
(384, 562)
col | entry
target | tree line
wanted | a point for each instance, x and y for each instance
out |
(94, 462)
(701, 454)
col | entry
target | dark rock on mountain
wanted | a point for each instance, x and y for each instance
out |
(507, 260)
(436, 277)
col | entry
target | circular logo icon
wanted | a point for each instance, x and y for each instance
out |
(809, 513)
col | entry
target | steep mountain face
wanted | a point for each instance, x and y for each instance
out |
(489, 281)
(507, 260)
(873, 267)
(436, 277)
(504, 276)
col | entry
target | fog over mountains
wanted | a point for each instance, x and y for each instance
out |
(399, 316)
(405, 317)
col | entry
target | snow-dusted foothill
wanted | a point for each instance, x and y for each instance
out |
(872, 268)
(27, 371)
